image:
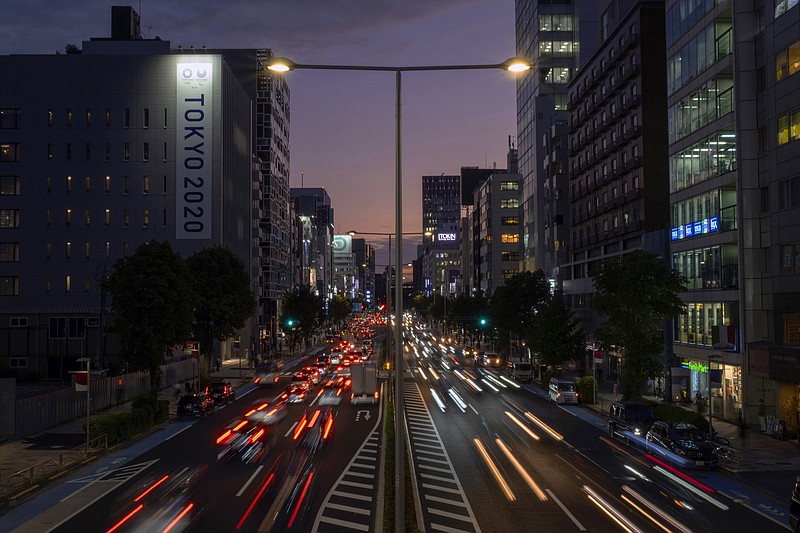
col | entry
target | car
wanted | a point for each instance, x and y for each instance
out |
(248, 439)
(332, 392)
(222, 391)
(685, 440)
(562, 391)
(630, 417)
(302, 379)
(336, 358)
(794, 507)
(294, 394)
(314, 429)
(195, 404)
(269, 373)
(313, 374)
(267, 413)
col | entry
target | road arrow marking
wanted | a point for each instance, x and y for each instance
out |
(366, 412)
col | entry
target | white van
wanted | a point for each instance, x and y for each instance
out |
(563, 391)
(522, 372)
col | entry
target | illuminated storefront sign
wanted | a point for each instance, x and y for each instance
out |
(193, 148)
(447, 237)
(693, 229)
(697, 367)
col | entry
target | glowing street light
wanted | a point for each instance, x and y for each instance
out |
(514, 64)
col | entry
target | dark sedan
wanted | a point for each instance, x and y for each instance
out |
(222, 391)
(684, 440)
(195, 404)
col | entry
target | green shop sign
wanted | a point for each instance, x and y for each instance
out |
(698, 367)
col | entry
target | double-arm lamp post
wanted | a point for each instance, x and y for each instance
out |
(512, 65)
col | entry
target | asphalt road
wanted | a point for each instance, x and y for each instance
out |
(180, 479)
(509, 460)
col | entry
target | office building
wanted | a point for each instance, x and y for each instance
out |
(313, 206)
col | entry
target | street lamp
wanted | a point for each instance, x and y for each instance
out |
(514, 64)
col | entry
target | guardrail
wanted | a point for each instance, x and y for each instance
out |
(24, 481)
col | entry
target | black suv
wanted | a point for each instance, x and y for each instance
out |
(684, 440)
(222, 391)
(633, 417)
(196, 404)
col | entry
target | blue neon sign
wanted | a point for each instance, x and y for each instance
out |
(694, 229)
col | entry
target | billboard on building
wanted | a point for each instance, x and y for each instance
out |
(342, 245)
(194, 117)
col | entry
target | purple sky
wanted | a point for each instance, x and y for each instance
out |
(342, 123)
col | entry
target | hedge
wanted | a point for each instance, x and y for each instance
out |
(146, 411)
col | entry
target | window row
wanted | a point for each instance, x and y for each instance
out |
(69, 153)
(789, 127)
(10, 152)
(711, 44)
(704, 206)
(106, 213)
(791, 328)
(509, 185)
(9, 119)
(85, 184)
(787, 62)
(70, 116)
(782, 6)
(555, 22)
(711, 157)
(683, 15)
(9, 252)
(558, 48)
(9, 185)
(790, 258)
(701, 323)
(716, 267)
(789, 193)
(712, 100)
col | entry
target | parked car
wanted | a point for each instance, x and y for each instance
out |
(794, 507)
(196, 404)
(685, 440)
(625, 416)
(222, 391)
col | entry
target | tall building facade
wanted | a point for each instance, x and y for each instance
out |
(618, 193)
(313, 205)
(96, 164)
(441, 216)
(556, 37)
(735, 201)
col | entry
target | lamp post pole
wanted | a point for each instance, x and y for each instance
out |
(512, 65)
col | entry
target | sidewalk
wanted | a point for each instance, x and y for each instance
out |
(49, 453)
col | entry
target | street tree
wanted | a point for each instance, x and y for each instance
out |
(224, 300)
(512, 306)
(300, 311)
(338, 309)
(636, 292)
(555, 334)
(153, 299)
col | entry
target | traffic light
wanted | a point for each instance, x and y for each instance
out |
(483, 321)
(290, 322)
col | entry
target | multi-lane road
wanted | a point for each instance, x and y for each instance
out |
(487, 454)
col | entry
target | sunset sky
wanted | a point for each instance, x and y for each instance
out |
(342, 123)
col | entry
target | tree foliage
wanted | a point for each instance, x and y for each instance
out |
(636, 292)
(513, 305)
(224, 298)
(554, 333)
(154, 301)
(338, 308)
(302, 307)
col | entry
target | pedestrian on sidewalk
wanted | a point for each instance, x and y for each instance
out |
(218, 362)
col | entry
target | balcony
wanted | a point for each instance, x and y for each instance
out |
(632, 162)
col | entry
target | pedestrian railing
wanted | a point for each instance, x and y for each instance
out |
(22, 482)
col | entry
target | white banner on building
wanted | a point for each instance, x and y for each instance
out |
(193, 150)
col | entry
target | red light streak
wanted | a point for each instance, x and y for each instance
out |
(154, 485)
(681, 474)
(178, 518)
(250, 412)
(262, 406)
(299, 429)
(223, 436)
(328, 426)
(258, 434)
(302, 495)
(314, 419)
(127, 517)
(255, 500)
(240, 425)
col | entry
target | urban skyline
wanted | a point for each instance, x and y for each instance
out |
(449, 121)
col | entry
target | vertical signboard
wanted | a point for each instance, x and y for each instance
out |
(193, 142)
